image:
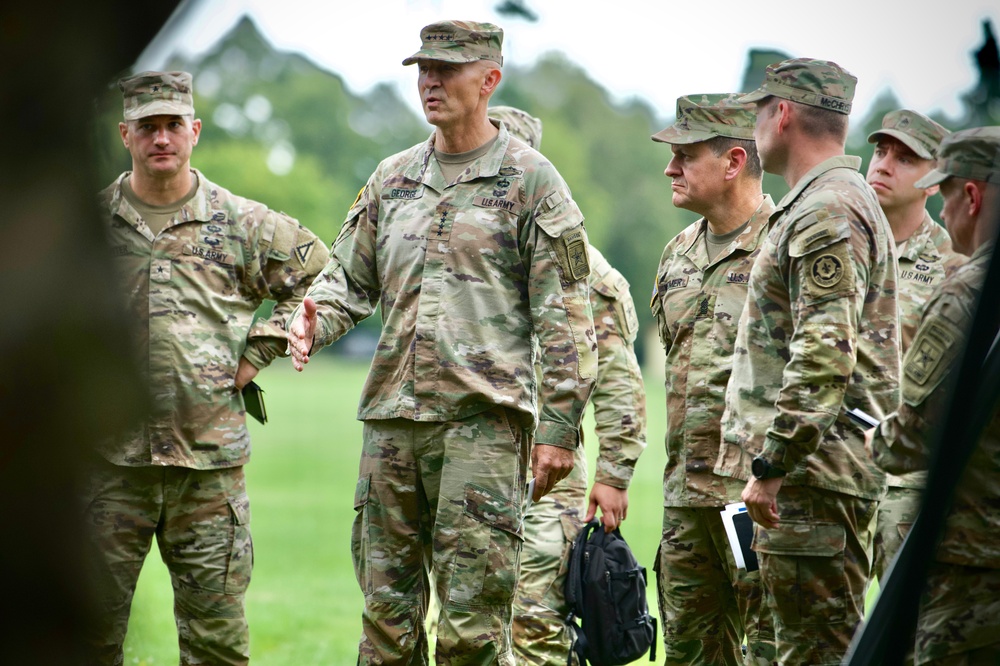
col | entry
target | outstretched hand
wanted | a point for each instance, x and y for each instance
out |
(301, 334)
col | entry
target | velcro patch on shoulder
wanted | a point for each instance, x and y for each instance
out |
(304, 251)
(819, 235)
(571, 254)
(929, 359)
(829, 271)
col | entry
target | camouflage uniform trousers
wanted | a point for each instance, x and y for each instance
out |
(441, 498)
(707, 605)
(541, 636)
(201, 520)
(896, 513)
(959, 623)
(815, 567)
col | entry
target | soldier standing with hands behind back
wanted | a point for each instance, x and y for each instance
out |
(818, 336)
(195, 261)
(476, 252)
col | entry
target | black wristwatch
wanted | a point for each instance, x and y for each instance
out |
(764, 470)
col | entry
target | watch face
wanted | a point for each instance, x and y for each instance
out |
(758, 467)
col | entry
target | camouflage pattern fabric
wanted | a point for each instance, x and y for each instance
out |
(959, 608)
(915, 130)
(925, 258)
(540, 633)
(155, 94)
(619, 397)
(471, 276)
(541, 636)
(820, 83)
(192, 291)
(899, 445)
(970, 154)
(449, 496)
(896, 513)
(706, 604)
(459, 41)
(819, 335)
(201, 520)
(697, 305)
(958, 617)
(815, 568)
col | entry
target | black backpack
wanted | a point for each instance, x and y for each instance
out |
(606, 591)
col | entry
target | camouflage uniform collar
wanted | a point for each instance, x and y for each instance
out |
(120, 206)
(921, 239)
(200, 206)
(839, 162)
(489, 164)
(747, 241)
(984, 251)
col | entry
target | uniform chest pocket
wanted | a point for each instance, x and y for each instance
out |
(207, 266)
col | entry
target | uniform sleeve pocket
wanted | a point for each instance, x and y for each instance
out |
(487, 558)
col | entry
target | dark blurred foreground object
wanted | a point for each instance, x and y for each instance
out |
(63, 339)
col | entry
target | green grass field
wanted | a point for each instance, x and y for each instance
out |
(304, 605)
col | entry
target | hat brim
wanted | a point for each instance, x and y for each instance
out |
(439, 54)
(918, 148)
(755, 96)
(933, 177)
(676, 135)
(159, 108)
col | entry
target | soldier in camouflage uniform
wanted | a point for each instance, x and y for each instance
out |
(959, 621)
(550, 525)
(707, 605)
(474, 248)
(195, 262)
(819, 335)
(905, 148)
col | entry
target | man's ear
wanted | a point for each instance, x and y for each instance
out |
(736, 162)
(123, 130)
(491, 81)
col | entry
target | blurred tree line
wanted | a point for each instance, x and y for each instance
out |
(282, 130)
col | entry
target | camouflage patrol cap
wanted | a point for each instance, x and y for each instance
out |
(525, 127)
(818, 83)
(915, 130)
(973, 154)
(703, 117)
(157, 94)
(459, 41)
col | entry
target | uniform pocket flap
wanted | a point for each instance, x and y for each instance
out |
(491, 509)
(796, 538)
(361, 492)
(241, 508)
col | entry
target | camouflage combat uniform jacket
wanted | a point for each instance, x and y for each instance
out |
(925, 259)
(192, 291)
(697, 306)
(819, 335)
(619, 396)
(972, 531)
(469, 275)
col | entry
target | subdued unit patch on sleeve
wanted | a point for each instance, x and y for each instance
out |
(929, 359)
(571, 249)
